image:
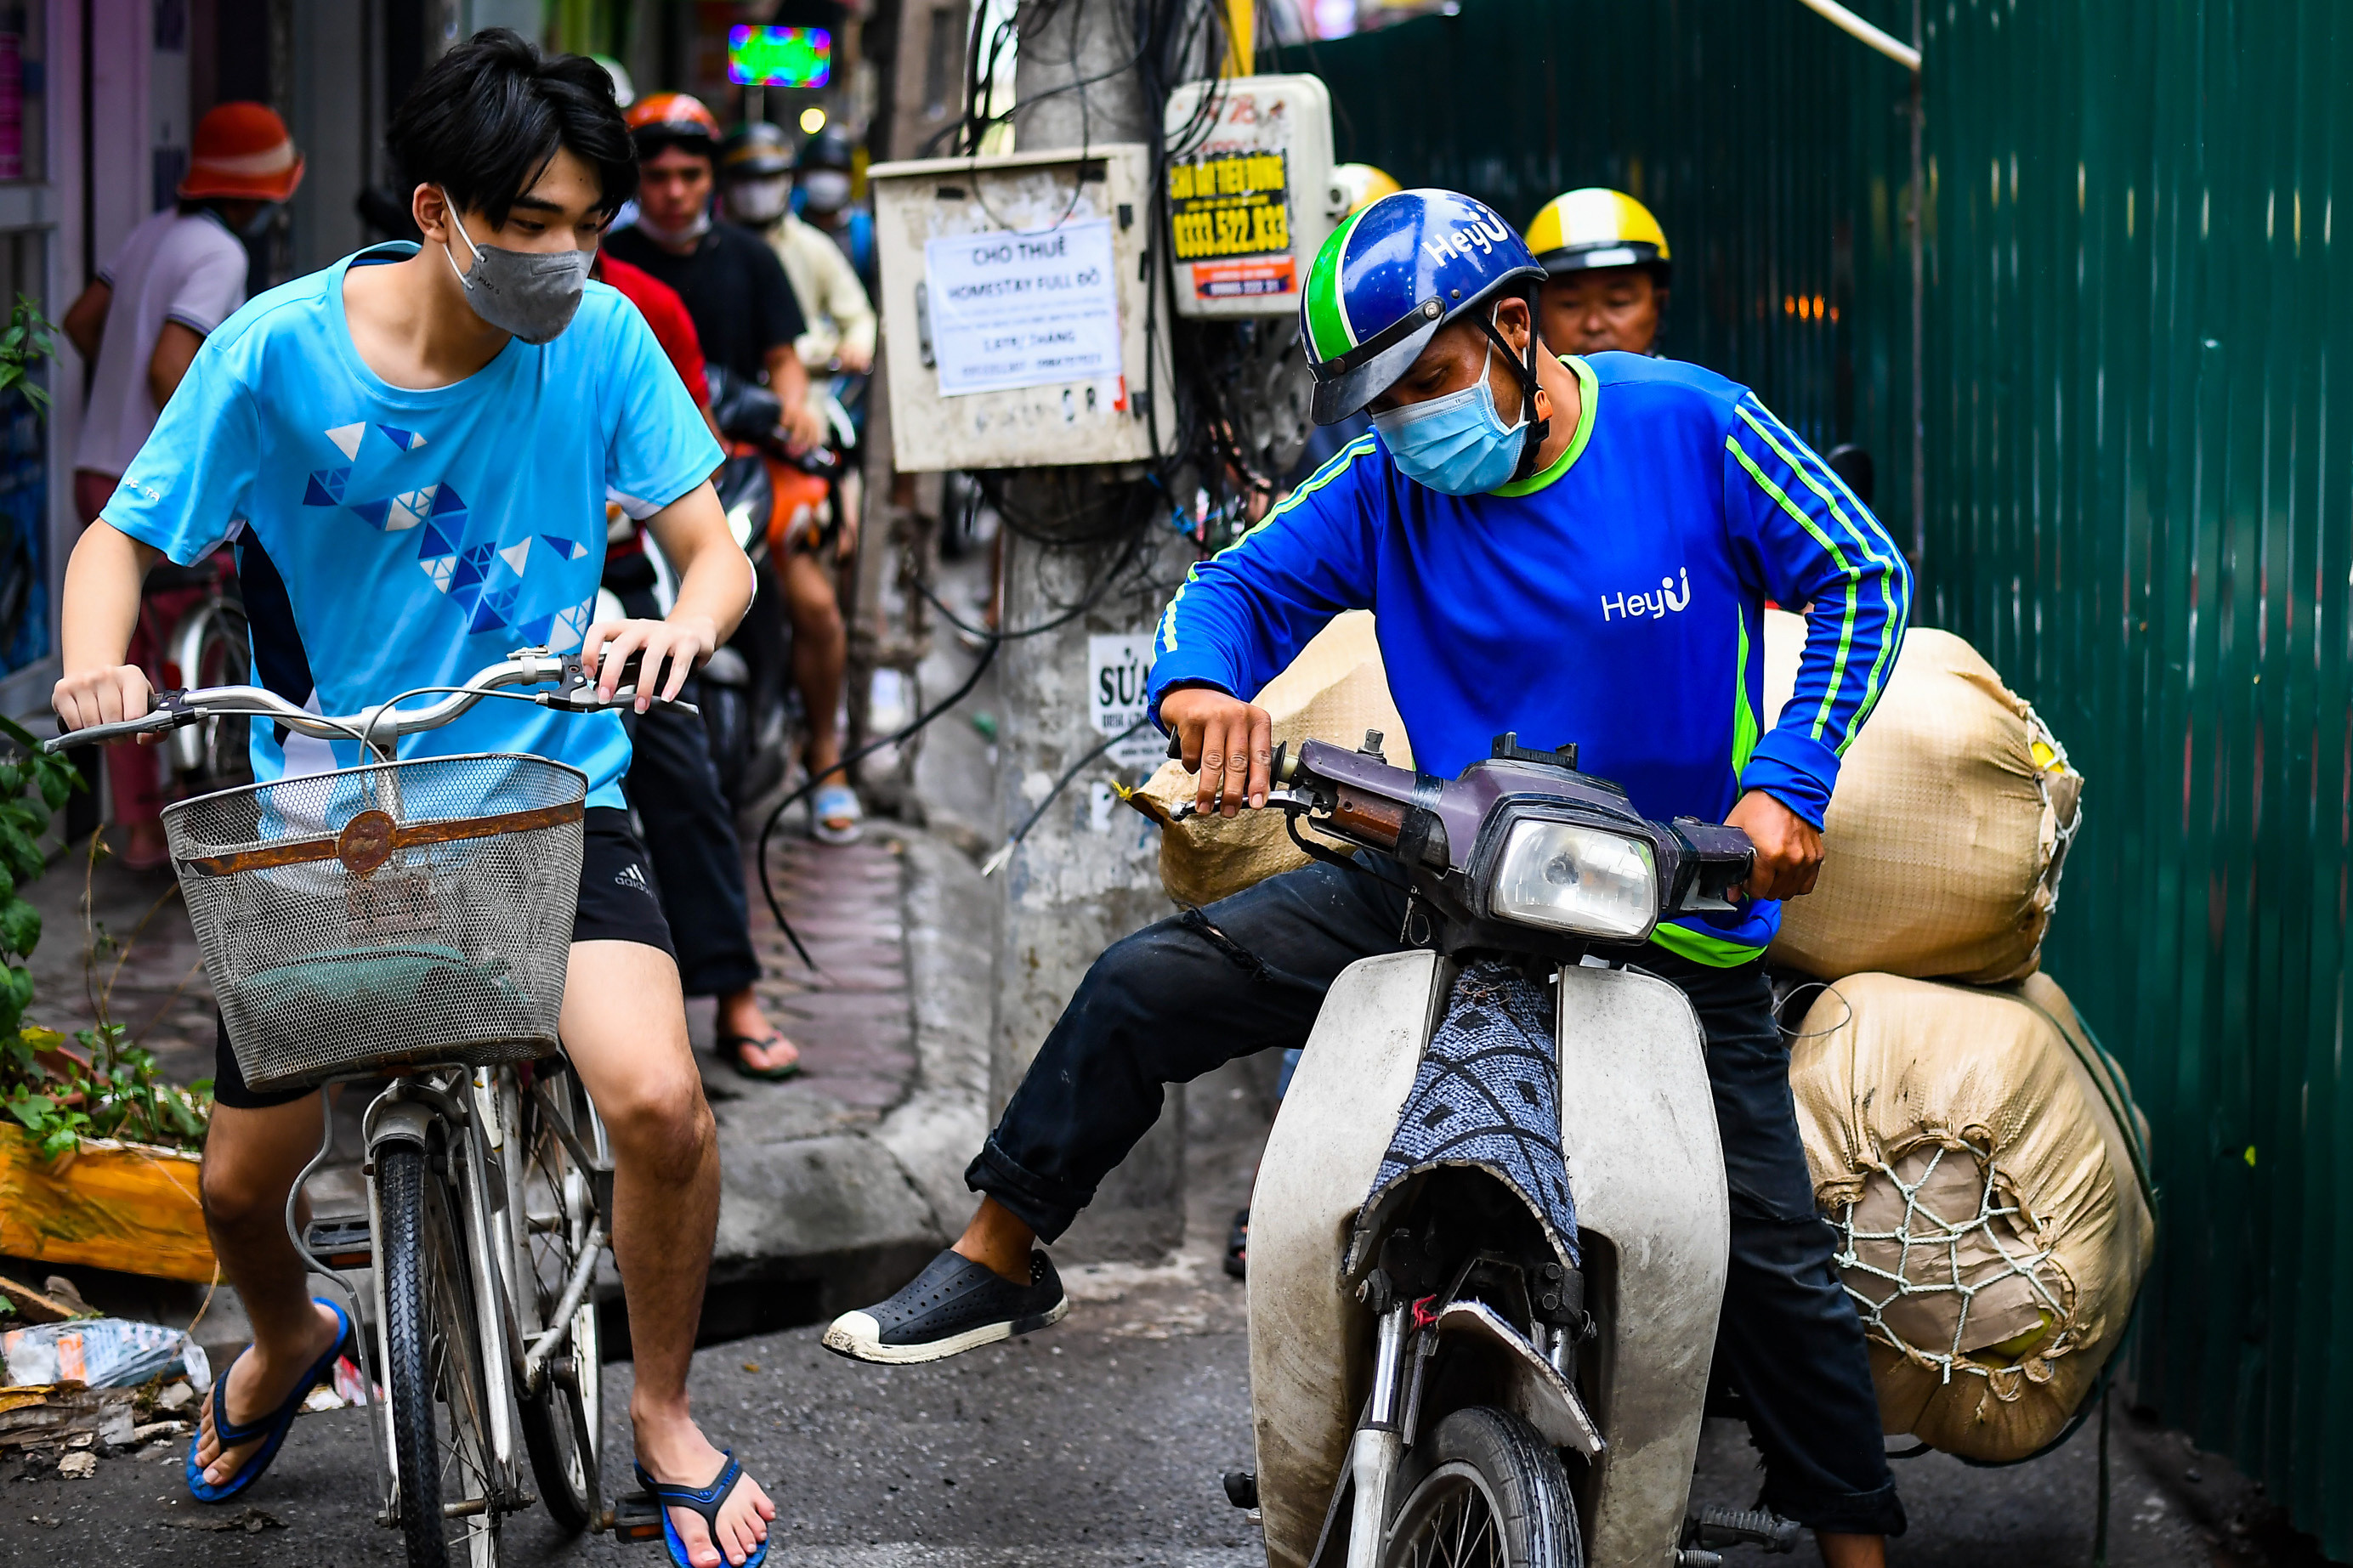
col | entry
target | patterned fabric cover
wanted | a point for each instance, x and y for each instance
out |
(1487, 1096)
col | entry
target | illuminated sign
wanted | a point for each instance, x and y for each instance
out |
(779, 57)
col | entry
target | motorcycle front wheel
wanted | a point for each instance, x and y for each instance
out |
(1487, 1493)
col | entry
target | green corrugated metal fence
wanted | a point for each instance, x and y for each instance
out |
(2141, 509)
(2139, 504)
(1737, 124)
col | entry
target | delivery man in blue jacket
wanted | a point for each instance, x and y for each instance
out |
(1572, 548)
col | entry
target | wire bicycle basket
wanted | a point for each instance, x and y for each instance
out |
(382, 917)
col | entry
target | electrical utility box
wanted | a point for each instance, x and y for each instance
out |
(1250, 192)
(1016, 310)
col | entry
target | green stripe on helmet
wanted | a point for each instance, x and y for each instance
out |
(1327, 316)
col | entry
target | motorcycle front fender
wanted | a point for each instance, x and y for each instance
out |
(1310, 1342)
(1646, 1165)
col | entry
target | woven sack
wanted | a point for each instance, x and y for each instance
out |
(1983, 1164)
(1334, 690)
(1945, 839)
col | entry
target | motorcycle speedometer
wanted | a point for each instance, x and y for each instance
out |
(1572, 877)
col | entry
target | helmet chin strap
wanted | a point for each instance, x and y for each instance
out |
(1539, 430)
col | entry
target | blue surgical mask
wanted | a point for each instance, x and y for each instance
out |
(1457, 445)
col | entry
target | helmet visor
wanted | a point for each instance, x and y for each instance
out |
(1348, 392)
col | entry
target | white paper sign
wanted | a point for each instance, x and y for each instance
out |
(1022, 309)
(1119, 688)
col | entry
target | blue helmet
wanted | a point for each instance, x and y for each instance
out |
(1390, 276)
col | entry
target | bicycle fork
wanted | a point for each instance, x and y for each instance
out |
(406, 1113)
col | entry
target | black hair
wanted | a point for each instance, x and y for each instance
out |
(486, 121)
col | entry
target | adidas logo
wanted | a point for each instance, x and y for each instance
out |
(633, 876)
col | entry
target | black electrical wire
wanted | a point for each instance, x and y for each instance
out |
(1005, 852)
(768, 828)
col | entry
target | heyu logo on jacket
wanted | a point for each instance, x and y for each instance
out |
(1637, 605)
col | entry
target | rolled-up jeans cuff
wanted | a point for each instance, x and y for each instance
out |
(1046, 1206)
(1875, 1512)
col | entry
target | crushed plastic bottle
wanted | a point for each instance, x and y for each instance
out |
(100, 1353)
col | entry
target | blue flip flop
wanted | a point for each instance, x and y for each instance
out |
(272, 1427)
(705, 1500)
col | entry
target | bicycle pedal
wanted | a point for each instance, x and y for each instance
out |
(341, 1241)
(636, 1517)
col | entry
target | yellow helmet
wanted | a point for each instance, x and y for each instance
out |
(1596, 227)
(1362, 184)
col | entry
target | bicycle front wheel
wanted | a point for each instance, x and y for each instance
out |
(448, 1514)
(559, 1230)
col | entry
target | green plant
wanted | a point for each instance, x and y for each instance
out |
(25, 344)
(107, 1088)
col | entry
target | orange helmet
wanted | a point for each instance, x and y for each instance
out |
(242, 151)
(662, 119)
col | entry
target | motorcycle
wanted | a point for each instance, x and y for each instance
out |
(771, 498)
(1490, 1230)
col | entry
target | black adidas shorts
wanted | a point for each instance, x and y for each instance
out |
(617, 903)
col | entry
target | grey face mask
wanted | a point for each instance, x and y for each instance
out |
(530, 293)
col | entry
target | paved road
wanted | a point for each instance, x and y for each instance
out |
(1097, 1443)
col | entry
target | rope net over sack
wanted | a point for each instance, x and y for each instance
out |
(1949, 1269)
(1982, 1162)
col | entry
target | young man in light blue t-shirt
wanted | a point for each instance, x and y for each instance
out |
(412, 450)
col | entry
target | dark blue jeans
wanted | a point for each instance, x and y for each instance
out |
(1248, 973)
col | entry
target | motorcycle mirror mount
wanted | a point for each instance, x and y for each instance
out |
(1507, 749)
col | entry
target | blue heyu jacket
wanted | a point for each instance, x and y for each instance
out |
(1615, 600)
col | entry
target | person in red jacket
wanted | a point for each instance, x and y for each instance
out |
(689, 831)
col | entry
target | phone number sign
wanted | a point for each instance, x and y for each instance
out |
(1234, 205)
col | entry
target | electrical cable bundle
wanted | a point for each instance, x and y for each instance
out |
(1175, 41)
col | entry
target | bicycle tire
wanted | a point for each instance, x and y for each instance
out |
(1489, 1494)
(432, 1353)
(563, 1425)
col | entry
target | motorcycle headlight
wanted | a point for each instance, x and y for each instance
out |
(1572, 878)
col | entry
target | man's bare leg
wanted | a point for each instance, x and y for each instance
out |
(820, 655)
(998, 1241)
(251, 1159)
(624, 1027)
(741, 1017)
(1852, 1551)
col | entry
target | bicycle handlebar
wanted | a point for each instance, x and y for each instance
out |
(383, 723)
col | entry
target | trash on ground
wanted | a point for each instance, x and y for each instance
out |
(99, 1353)
(148, 1431)
(51, 1415)
(342, 1390)
(79, 1465)
(33, 1306)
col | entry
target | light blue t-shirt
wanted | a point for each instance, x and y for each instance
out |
(390, 539)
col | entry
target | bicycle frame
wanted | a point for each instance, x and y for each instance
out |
(478, 1122)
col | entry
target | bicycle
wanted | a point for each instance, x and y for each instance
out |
(413, 919)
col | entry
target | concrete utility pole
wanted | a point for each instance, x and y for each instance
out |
(1073, 889)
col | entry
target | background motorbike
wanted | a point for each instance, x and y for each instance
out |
(772, 499)
(1442, 1371)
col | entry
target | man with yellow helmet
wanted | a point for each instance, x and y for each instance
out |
(1606, 266)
